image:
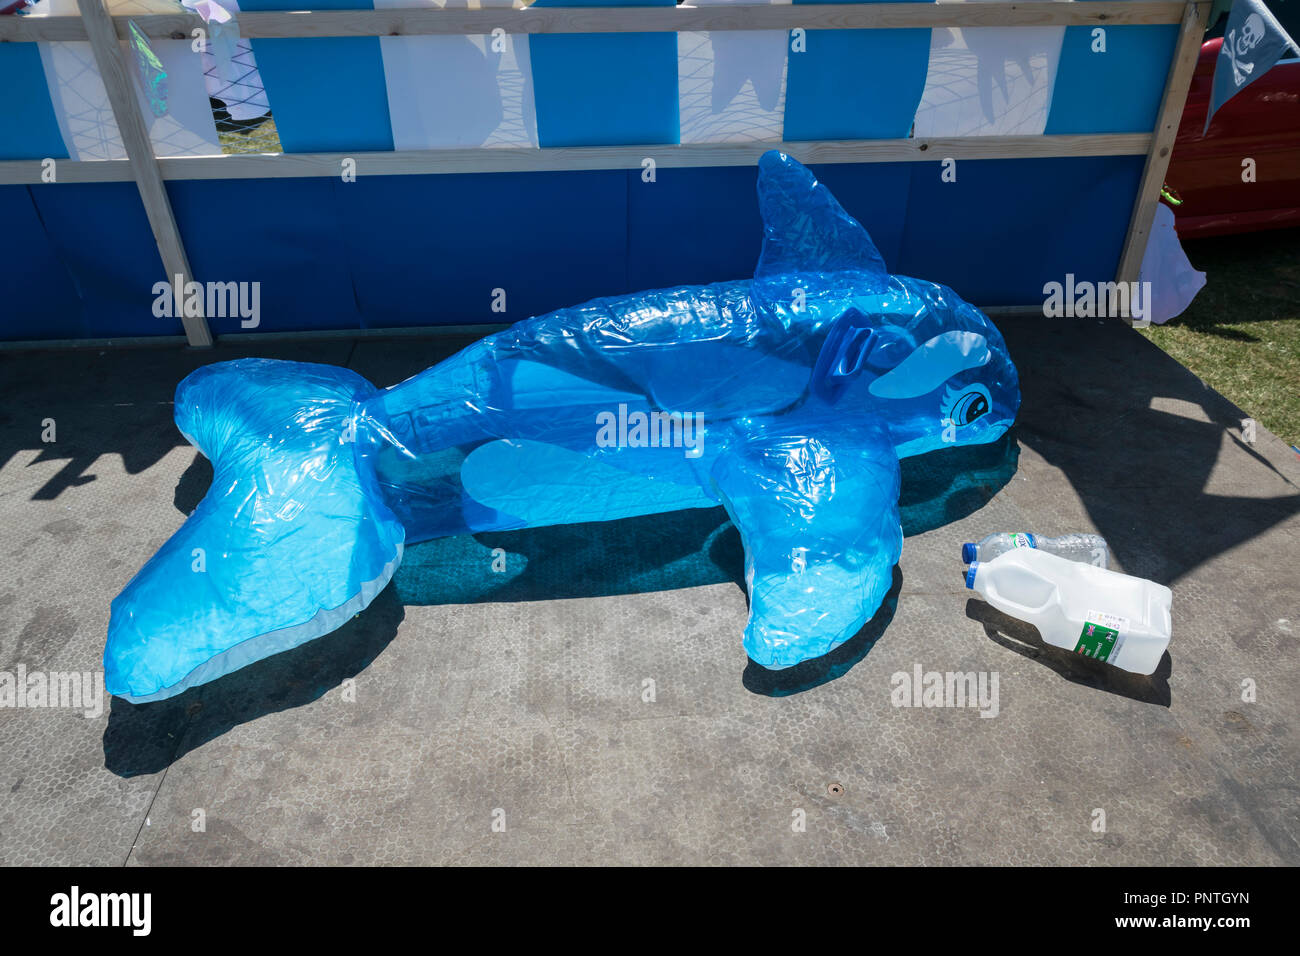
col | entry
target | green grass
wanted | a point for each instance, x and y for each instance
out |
(1241, 335)
(264, 138)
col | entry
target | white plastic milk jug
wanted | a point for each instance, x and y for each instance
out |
(1102, 614)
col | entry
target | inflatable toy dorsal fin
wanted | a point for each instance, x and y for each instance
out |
(805, 229)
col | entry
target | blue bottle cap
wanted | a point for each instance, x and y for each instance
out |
(970, 574)
(968, 552)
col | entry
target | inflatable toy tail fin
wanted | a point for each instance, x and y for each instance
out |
(291, 540)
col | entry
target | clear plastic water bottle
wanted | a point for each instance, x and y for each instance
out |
(1101, 614)
(1087, 548)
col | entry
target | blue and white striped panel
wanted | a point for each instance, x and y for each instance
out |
(29, 128)
(1112, 79)
(81, 105)
(327, 94)
(855, 84)
(608, 89)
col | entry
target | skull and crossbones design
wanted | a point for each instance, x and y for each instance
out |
(1237, 45)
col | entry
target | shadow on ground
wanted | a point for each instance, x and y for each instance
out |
(109, 402)
(1025, 640)
(1139, 450)
(828, 667)
(665, 552)
(146, 738)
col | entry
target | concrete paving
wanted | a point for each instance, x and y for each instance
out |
(593, 705)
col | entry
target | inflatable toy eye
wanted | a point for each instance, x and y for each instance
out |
(963, 406)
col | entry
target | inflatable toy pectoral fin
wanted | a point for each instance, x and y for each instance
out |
(289, 543)
(816, 503)
(805, 229)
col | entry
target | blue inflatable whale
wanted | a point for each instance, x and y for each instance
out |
(789, 399)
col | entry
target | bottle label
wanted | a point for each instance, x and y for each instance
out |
(1102, 635)
(1021, 539)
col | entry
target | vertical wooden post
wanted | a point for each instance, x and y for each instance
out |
(113, 67)
(1186, 52)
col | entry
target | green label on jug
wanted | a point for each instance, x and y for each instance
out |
(1096, 641)
(1102, 635)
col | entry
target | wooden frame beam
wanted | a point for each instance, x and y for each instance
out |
(1186, 53)
(512, 159)
(430, 21)
(112, 63)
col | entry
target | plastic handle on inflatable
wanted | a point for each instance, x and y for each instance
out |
(848, 343)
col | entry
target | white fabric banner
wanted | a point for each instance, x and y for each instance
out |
(989, 81)
(731, 84)
(459, 91)
(81, 101)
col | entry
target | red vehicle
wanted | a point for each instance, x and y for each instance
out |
(1262, 122)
